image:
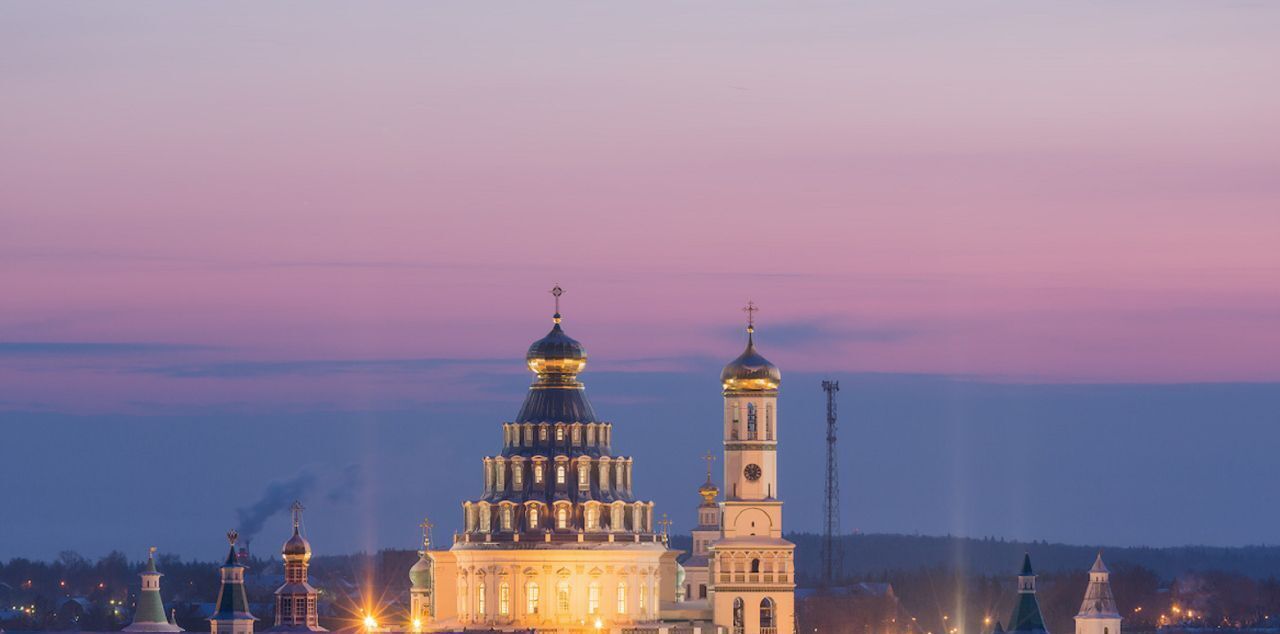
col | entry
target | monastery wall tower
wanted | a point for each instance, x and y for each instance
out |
(1098, 612)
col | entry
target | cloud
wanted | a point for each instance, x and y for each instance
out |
(825, 332)
(30, 349)
(317, 367)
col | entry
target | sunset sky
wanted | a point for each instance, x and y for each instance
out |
(308, 244)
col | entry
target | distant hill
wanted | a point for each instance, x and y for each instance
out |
(871, 555)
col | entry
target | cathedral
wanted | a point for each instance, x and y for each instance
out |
(561, 539)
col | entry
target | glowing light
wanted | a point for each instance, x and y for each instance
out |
(417, 625)
(370, 623)
(599, 624)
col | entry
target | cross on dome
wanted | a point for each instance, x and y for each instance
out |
(556, 292)
(751, 309)
(426, 526)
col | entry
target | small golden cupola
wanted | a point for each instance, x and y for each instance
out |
(750, 372)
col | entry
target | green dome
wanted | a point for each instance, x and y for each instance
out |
(420, 574)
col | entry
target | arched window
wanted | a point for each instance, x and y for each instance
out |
(506, 518)
(504, 599)
(562, 596)
(702, 591)
(559, 434)
(480, 598)
(533, 518)
(766, 613)
(530, 597)
(592, 517)
(559, 474)
(644, 597)
(733, 430)
(622, 598)
(537, 474)
(755, 565)
(768, 421)
(562, 517)
(593, 598)
(751, 421)
(739, 612)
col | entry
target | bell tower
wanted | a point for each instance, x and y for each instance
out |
(752, 572)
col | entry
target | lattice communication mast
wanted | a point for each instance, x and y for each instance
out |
(832, 553)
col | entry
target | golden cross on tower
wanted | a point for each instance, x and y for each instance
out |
(710, 458)
(665, 524)
(426, 532)
(751, 309)
(151, 552)
(297, 513)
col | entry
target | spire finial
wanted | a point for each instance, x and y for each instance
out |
(665, 524)
(232, 536)
(426, 532)
(297, 514)
(151, 552)
(751, 309)
(556, 292)
(709, 458)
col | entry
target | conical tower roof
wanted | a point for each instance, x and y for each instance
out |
(1098, 602)
(1026, 617)
(233, 602)
(149, 616)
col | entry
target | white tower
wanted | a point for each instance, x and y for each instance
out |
(1098, 613)
(751, 564)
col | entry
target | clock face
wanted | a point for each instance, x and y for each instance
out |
(752, 472)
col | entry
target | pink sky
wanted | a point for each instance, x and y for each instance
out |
(1043, 192)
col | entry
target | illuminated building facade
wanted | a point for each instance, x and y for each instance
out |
(751, 566)
(559, 539)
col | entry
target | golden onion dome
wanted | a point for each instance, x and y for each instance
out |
(750, 372)
(556, 353)
(708, 491)
(297, 545)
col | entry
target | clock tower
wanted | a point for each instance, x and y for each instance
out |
(752, 572)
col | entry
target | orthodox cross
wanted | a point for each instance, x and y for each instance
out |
(297, 514)
(151, 552)
(710, 458)
(751, 309)
(232, 536)
(426, 532)
(665, 524)
(557, 292)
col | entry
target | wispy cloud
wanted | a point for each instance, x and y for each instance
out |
(814, 332)
(313, 367)
(30, 349)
